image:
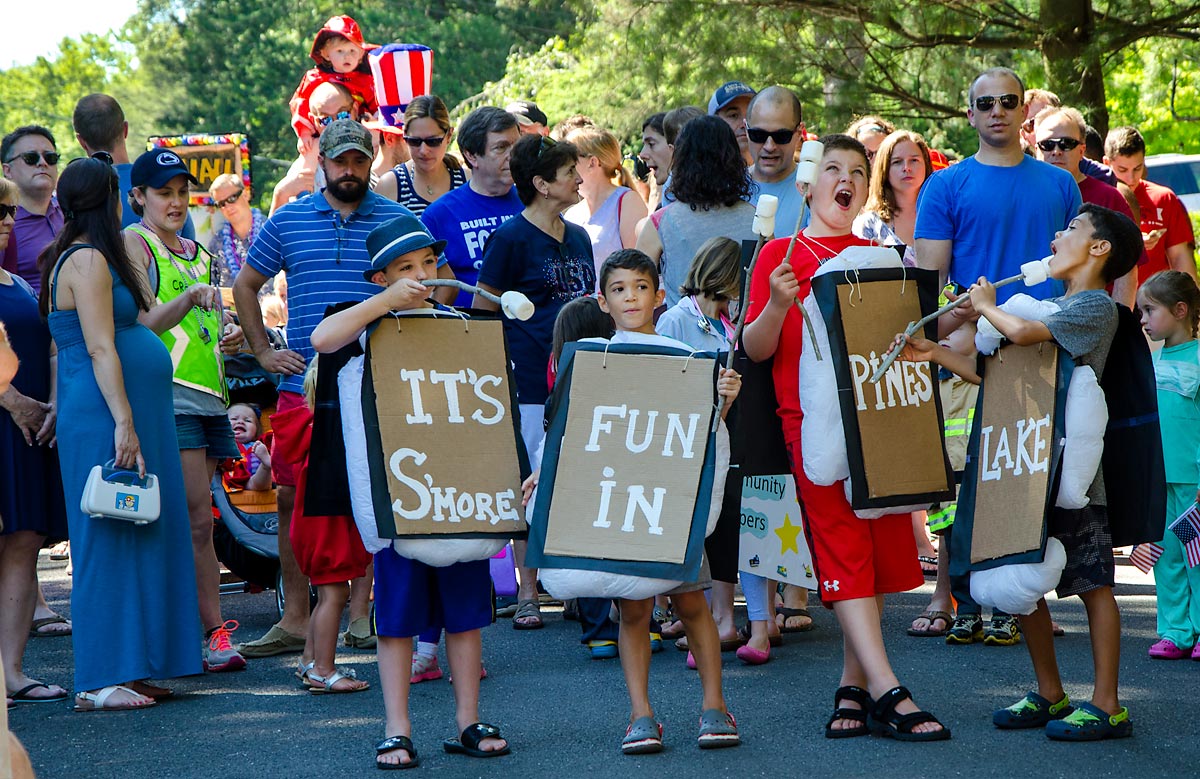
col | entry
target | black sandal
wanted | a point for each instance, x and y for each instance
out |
(468, 742)
(886, 722)
(396, 742)
(857, 695)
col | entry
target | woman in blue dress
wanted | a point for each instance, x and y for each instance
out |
(133, 595)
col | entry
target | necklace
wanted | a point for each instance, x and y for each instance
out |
(413, 176)
(190, 274)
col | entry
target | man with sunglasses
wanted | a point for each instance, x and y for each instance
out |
(1000, 208)
(30, 160)
(1058, 134)
(328, 103)
(775, 130)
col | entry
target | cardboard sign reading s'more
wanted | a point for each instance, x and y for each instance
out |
(628, 468)
(443, 444)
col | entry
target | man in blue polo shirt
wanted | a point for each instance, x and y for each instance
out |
(320, 240)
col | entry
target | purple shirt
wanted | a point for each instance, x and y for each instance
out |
(30, 235)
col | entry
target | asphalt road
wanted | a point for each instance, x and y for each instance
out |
(564, 714)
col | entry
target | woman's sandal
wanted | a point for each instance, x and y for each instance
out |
(857, 695)
(99, 701)
(324, 685)
(393, 743)
(885, 721)
(932, 616)
(528, 609)
(468, 742)
(787, 613)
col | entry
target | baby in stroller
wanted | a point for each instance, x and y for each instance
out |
(251, 471)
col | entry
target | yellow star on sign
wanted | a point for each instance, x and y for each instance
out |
(787, 535)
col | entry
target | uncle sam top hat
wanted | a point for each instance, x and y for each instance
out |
(402, 71)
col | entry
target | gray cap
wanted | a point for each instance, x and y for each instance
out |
(344, 135)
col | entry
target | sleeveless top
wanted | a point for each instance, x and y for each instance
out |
(603, 227)
(683, 231)
(406, 193)
(194, 343)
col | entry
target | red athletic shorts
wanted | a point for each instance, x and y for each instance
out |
(284, 446)
(853, 557)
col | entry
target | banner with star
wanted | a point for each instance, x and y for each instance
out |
(772, 542)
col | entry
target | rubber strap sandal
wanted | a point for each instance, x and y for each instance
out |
(468, 742)
(885, 721)
(718, 729)
(857, 695)
(392, 743)
(1088, 723)
(932, 616)
(787, 613)
(642, 737)
(1032, 711)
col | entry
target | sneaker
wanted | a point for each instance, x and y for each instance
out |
(1032, 711)
(1088, 723)
(656, 643)
(967, 629)
(219, 654)
(424, 669)
(1165, 649)
(275, 641)
(1002, 631)
(602, 650)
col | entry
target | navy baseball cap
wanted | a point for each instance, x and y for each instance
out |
(401, 235)
(727, 93)
(156, 167)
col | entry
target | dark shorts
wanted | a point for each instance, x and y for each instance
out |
(411, 597)
(206, 432)
(1086, 535)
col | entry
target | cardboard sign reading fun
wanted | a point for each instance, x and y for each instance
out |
(628, 466)
(893, 427)
(443, 445)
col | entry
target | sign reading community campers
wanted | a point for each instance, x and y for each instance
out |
(443, 447)
(628, 466)
(208, 156)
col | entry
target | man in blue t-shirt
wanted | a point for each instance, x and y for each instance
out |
(466, 216)
(775, 130)
(994, 211)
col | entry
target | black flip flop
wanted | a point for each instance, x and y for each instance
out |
(468, 742)
(22, 695)
(396, 742)
(790, 612)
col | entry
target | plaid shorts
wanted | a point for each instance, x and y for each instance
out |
(1088, 540)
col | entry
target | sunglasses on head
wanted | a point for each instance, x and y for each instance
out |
(546, 143)
(30, 158)
(229, 200)
(1062, 144)
(432, 143)
(6, 211)
(759, 135)
(325, 121)
(1008, 102)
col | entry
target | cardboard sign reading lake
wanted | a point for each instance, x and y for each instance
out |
(1012, 478)
(443, 446)
(893, 427)
(771, 541)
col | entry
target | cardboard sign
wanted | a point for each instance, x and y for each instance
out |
(772, 542)
(628, 465)
(208, 156)
(444, 449)
(1013, 459)
(863, 312)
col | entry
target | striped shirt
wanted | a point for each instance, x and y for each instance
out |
(324, 256)
(406, 193)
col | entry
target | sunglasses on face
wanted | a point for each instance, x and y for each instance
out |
(325, 121)
(1008, 102)
(1062, 144)
(229, 200)
(6, 211)
(30, 158)
(432, 143)
(759, 135)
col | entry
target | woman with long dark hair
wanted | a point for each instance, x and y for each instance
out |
(133, 595)
(712, 191)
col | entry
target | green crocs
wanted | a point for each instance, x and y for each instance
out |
(1088, 723)
(1032, 711)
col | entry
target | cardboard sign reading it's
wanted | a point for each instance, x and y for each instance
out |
(632, 455)
(1016, 426)
(443, 447)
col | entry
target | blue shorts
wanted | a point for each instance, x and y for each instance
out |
(411, 597)
(206, 432)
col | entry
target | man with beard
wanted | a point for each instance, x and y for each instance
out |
(320, 240)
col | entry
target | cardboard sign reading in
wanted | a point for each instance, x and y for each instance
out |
(443, 447)
(1015, 448)
(208, 156)
(864, 312)
(628, 474)
(772, 542)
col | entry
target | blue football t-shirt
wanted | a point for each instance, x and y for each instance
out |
(464, 219)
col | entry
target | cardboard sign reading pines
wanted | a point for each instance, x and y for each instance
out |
(443, 445)
(627, 472)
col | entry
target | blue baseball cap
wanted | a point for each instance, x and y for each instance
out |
(727, 93)
(401, 235)
(156, 167)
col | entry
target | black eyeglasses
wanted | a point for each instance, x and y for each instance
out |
(229, 200)
(6, 211)
(1062, 144)
(1008, 102)
(103, 156)
(432, 143)
(328, 120)
(759, 135)
(30, 158)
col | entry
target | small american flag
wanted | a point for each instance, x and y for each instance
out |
(1144, 556)
(1187, 530)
